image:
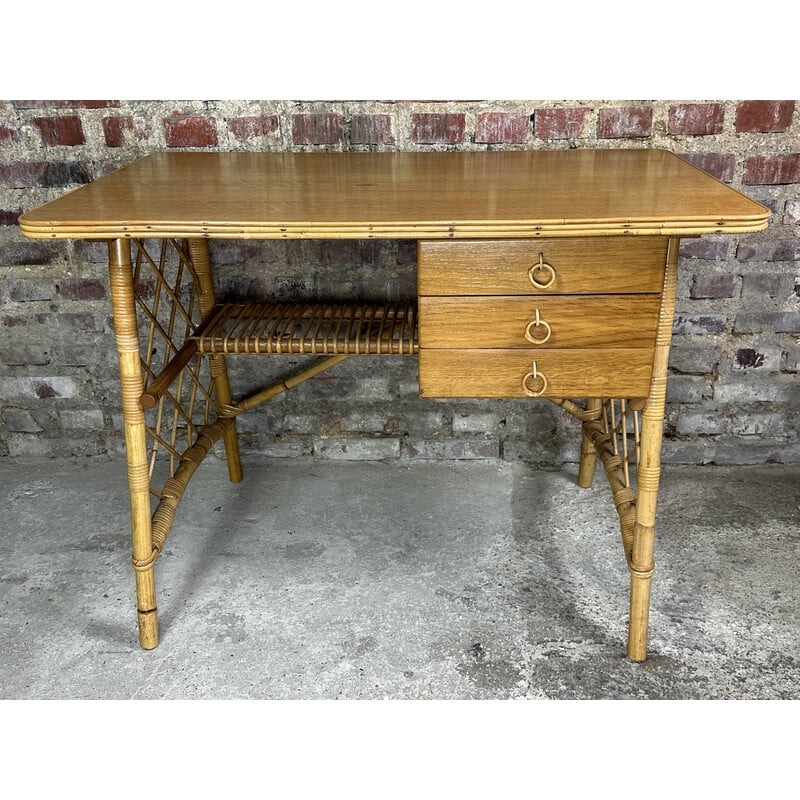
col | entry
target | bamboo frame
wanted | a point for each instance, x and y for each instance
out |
(127, 338)
(588, 457)
(166, 312)
(198, 249)
(178, 384)
(610, 428)
(605, 434)
(641, 561)
(234, 409)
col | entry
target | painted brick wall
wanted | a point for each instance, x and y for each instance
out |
(734, 395)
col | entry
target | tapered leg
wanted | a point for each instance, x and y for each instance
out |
(132, 384)
(649, 470)
(588, 453)
(198, 249)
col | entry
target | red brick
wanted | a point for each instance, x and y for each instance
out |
(316, 128)
(8, 133)
(437, 128)
(114, 128)
(25, 354)
(82, 289)
(780, 250)
(82, 321)
(29, 290)
(95, 252)
(704, 247)
(748, 358)
(695, 119)
(775, 285)
(9, 217)
(559, 123)
(23, 251)
(21, 175)
(500, 128)
(774, 169)
(714, 286)
(191, 131)
(371, 129)
(60, 130)
(720, 165)
(764, 116)
(244, 128)
(623, 123)
(66, 104)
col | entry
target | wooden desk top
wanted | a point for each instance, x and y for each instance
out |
(429, 195)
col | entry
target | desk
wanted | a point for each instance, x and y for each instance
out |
(547, 275)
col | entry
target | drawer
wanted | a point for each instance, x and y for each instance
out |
(595, 265)
(534, 322)
(559, 373)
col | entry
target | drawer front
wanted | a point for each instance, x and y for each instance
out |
(606, 321)
(558, 373)
(598, 265)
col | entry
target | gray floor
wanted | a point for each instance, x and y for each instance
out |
(374, 580)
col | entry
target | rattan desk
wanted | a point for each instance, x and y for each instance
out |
(542, 274)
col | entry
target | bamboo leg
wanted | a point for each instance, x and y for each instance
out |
(588, 454)
(649, 470)
(198, 248)
(127, 336)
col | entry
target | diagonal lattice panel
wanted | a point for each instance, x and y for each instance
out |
(167, 299)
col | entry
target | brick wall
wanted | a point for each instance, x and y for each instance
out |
(734, 395)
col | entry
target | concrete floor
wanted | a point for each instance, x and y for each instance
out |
(375, 580)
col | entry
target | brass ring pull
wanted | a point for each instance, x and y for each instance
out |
(535, 273)
(534, 375)
(537, 323)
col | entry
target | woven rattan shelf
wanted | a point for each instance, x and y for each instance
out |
(310, 329)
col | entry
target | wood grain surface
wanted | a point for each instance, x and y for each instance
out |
(569, 373)
(399, 195)
(588, 265)
(492, 322)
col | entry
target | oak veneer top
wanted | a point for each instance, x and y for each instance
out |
(400, 195)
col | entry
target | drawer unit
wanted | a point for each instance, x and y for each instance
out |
(601, 265)
(539, 318)
(619, 372)
(595, 321)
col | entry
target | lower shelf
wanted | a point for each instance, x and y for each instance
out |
(306, 329)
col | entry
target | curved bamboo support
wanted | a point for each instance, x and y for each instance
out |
(588, 452)
(198, 249)
(621, 491)
(601, 440)
(173, 490)
(649, 469)
(127, 337)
